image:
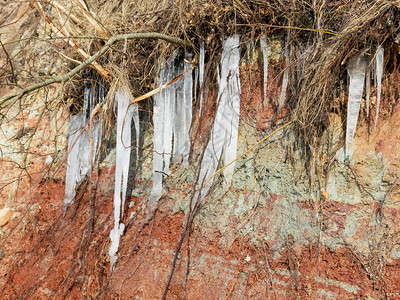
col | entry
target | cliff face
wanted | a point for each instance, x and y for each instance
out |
(298, 222)
(277, 232)
(274, 233)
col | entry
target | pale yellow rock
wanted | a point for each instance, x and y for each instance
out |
(5, 215)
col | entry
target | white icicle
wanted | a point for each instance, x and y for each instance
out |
(158, 142)
(84, 153)
(97, 127)
(367, 87)
(183, 112)
(168, 97)
(163, 122)
(79, 163)
(184, 107)
(73, 166)
(224, 134)
(177, 94)
(201, 75)
(136, 121)
(264, 50)
(230, 97)
(285, 80)
(356, 70)
(373, 72)
(379, 72)
(123, 150)
(84, 140)
(172, 117)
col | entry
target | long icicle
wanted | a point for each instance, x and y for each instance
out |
(379, 72)
(123, 150)
(201, 75)
(264, 50)
(172, 117)
(79, 161)
(356, 69)
(224, 131)
(168, 97)
(73, 166)
(183, 89)
(186, 109)
(158, 142)
(231, 111)
(368, 88)
(285, 80)
(178, 120)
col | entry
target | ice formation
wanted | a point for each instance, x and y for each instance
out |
(73, 176)
(224, 134)
(367, 87)
(183, 114)
(285, 80)
(79, 161)
(172, 117)
(356, 70)
(201, 75)
(264, 50)
(379, 72)
(125, 114)
(229, 94)
(168, 103)
(158, 141)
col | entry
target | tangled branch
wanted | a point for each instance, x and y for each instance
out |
(7, 100)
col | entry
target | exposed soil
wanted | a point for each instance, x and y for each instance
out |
(234, 250)
(280, 231)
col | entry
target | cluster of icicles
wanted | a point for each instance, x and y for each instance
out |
(81, 155)
(172, 117)
(359, 70)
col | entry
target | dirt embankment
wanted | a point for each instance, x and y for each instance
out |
(278, 233)
(264, 238)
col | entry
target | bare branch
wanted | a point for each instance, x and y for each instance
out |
(104, 73)
(67, 12)
(7, 100)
